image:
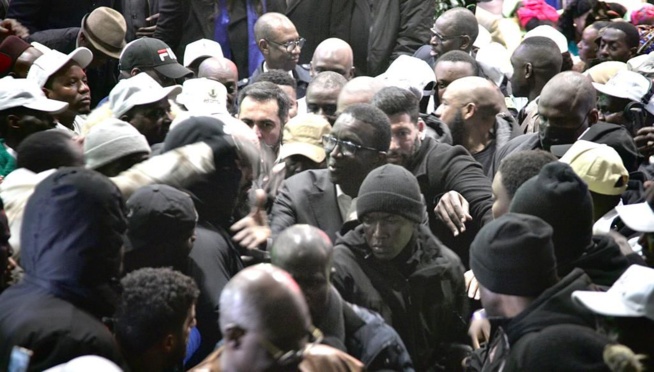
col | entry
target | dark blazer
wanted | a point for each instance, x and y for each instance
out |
(302, 78)
(184, 21)
(307, 198)
(315, 20)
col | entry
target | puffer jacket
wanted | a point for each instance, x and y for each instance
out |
(420, 293)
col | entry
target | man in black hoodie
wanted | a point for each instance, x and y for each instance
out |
(71, 254)
(561, 198)
(534, 323)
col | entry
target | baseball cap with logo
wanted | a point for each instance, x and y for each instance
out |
(26, 93)
(203, 96)
(201, 48)
(53, 60)
(153, 53)
(303, 136)
(136, 91)
(632, 295)
(105, 29)
(629, 85)
(599, 166)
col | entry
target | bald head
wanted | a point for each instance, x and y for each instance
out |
(333, 55)
(456, 29)
(570, 90)
(299, 246)
(267, 24)
(257, 297)
(358, 90)
(223, 71)
(479, 91)
(461, 21)
(536, 60)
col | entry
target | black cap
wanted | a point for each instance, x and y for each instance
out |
(147, 52)
(159, 213)
(513, 255)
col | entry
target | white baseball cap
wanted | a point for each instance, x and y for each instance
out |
(26, 93)
(550, 33)
(53, 60)
(203, 96)
(201, 48)
(409, 73)
(632, 295)
(138, 90)
(628, 85)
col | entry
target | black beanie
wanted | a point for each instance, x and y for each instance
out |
(560, 198)
(513, 255)
(391, 189)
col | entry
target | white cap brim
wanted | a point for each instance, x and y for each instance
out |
(47, 105)
(605, 303)
(610, 91)
(638, 217)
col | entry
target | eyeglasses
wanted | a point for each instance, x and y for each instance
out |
(291, 357)
(347, 148)
(440, 37)
(290, 45)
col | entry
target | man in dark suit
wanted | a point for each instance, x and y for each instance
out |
(281, 45)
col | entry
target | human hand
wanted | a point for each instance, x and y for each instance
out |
(10, 27)
(148, 30)
(253, 229)
(453, 210)
(645, 141)
(472, 285)
(479, 330)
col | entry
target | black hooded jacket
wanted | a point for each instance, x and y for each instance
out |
(552, 334)
(214, 259)
(602, 261)
(71, 254)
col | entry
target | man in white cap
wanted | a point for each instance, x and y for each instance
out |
(62, 78)
(142, 102)
(626, 99)
(24, 110)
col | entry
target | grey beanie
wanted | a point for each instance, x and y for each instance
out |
(111, 140)
(391, 189)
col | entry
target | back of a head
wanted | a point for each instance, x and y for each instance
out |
(513, 255)
(543, 54)
(560, 198)
(376, 118)
(459, 56)
(358, 90)
(632, 37)
(327, 80)
(154, 303)
(396, 101)
(570, 89)
(277, 77)
(518, 167)
(299, 241)
(72, 229)
(48, 150)
(256, 299)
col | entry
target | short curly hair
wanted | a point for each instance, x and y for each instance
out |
(154, 303)
(518, 167)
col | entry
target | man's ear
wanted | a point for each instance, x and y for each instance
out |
(421, 125)
(124, 118)
(466, 42)
(312, 72)
(233, 336)
(47, 92)
(353, 70)
(382, 157)
(168, 343)
(135, 71)
(593, 116)
(264, 47)
(529, 70)
(634, 51)
(469, 110)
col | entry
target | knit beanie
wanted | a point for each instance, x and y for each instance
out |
(390, 189)
(513, 255)
(560, 198)
(111, 140)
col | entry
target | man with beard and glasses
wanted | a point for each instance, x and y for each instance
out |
(457, 194)
(470, 108)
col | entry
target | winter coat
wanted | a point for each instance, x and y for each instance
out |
(420, 293)
(71, 254)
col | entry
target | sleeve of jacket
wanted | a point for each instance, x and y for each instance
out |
(416, 18)
(177, 168)
(27, 12)
(453, 168)
(171, 21)
(283, 213)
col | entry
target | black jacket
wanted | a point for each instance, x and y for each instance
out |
(363, 334)
(214, 258)
(523, 142)
(421, 293)
(70, 251)
(552, 334)
(440, 168)
(602, 261)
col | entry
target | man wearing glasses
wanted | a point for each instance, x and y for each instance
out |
(280, 44)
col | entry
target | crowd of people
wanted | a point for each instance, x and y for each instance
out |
(341, 185)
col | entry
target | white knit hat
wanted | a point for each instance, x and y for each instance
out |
(111, 140)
